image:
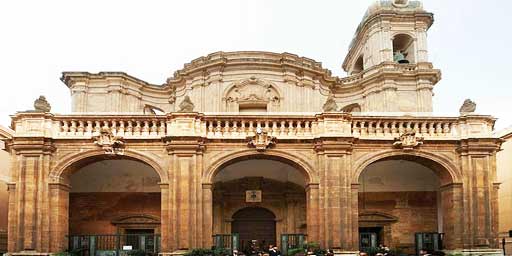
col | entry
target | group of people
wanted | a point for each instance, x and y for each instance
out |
(255, 250)
(385, 251)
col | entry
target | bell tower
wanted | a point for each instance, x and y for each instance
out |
(393, 36)
(390, 31)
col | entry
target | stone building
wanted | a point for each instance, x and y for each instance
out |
(270, 147)
(504, 163)
(5, 133)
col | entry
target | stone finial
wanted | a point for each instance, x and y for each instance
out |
(41, 105)
(330, 105)
(186, 105)
(467, 107)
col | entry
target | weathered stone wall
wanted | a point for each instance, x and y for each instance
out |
(93, 213)
(416, 211)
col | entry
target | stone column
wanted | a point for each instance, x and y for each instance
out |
(207, 209)
(478, 166)
(186, 195)
(313, 214)
(451, 204)
(336, 221)
(59, 216)
(165, 218)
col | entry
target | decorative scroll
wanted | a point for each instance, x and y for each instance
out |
(113, 145)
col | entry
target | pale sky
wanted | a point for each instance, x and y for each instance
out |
(470, 42)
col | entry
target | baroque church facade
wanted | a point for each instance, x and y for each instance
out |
(259, 147)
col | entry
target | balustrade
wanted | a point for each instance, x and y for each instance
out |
(243, 126)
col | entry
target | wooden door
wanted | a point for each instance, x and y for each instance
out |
(255, 224)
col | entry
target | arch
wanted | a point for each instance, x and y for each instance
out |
(66, 163)
(302, 165)
(358, 65)
(443, 167)
(240, 211)
(354, 107)
(136, 219)
(405, 44)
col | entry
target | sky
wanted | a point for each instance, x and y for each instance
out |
(469, 41)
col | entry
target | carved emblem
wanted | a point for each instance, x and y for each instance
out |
(261, 141)
(113, 145)
(252, 92)
(408, 140)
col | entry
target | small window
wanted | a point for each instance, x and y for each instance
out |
(403, 49)
(252, 108)
(358, 66)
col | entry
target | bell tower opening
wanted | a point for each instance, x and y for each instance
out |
(403, 49)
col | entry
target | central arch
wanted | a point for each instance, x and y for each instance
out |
(282, 181)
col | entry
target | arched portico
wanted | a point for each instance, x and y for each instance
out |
(444, 193)
(291, 198)
(114, 197)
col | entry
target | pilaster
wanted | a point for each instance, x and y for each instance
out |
(185, 192)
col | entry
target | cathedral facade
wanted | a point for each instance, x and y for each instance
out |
(264, 148)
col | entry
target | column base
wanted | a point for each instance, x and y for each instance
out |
(338, 252)
(28, 253)
(486, 252)
(174, 253)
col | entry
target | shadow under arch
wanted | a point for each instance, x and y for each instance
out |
(71, 163)
(302, 166)
(444, 168)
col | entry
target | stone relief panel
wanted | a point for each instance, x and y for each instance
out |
(252, 95)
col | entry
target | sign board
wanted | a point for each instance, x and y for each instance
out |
(127, 248)
(253, 196)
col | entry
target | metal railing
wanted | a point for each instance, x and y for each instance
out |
(292, 241)
(227, 241)
(114, 245)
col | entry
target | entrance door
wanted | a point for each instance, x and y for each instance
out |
(255, 226)
(140, 239)
(369, 238)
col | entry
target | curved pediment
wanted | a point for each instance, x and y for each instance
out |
(376, 217)
(136, 219)
(252, 93)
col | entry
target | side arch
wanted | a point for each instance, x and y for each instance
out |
(442, 166)
(301, 164)
(64, 165)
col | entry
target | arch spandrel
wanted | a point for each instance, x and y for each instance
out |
(66, 164)
(448, 172)
(303, 165)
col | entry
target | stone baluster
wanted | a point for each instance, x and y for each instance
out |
(371, 128)
(274, 128)
(282, 128)
(113, 127)
(235, 132)
(161, 128)
(378, 129)
(307, 127)
(120, 129)
(401, 128)
(251, 128)
(81, 127)
(386, 129)
(210, 128)
(364, 129)
(64, 127)
(218, 129)
(243, 129)
(446, 129)
(416, 127)
(439, 129)
(88, 129)
(137, 129)
(97, 127)
(291, 131)
(129, 128)
(356, 128)
(153, 130)
(72, 128)
(431, 129)
(394, 130)
(300, 131)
